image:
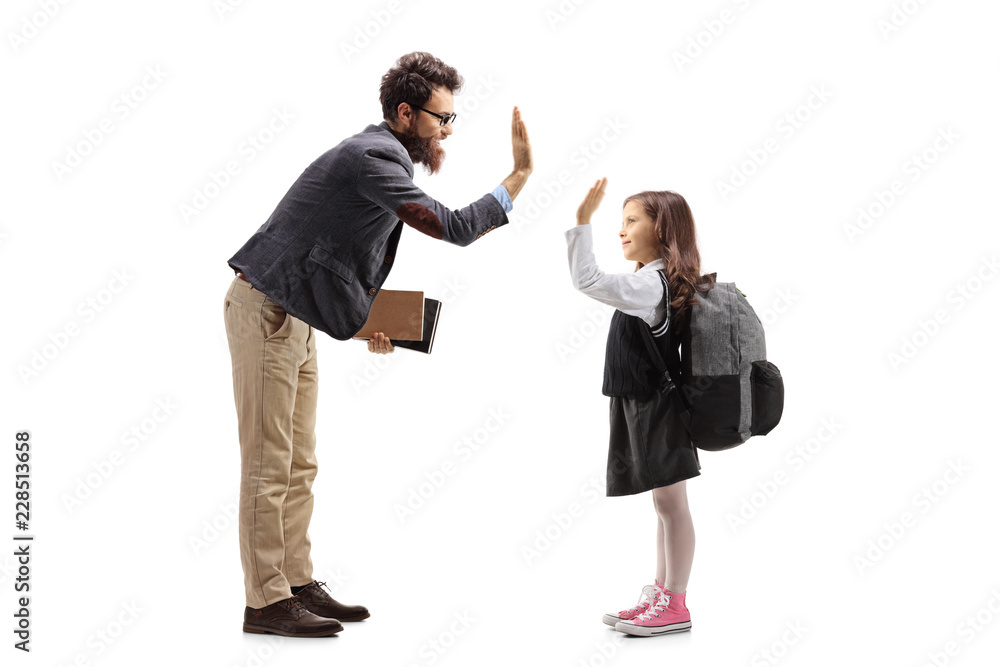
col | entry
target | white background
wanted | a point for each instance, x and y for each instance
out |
(146, 552)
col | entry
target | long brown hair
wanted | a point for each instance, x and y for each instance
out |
(678, 248)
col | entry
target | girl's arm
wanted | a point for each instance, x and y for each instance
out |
(639, 293)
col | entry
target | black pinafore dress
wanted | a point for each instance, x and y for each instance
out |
(645, 451)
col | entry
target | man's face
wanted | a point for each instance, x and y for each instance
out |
(422, 132)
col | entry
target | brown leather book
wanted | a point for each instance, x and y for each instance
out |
(432, 311)
(399, 314)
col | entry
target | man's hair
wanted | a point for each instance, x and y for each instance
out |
(412, 79)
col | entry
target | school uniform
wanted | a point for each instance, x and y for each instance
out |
(645, 450)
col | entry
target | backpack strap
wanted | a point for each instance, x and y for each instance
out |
(666, 381)
(673, 326)
(648, 332)
(667, 384)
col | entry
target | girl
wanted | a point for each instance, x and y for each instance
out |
(650, 447)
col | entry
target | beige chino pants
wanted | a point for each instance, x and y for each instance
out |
(275, 387)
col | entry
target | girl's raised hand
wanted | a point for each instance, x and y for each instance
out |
(591, 202)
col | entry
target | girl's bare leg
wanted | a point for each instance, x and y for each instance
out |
(675, 536)
(661, 556)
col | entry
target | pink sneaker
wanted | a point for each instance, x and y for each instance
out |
(668, 613)
(649, 595)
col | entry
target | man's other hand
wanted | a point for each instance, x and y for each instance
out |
(379, 344)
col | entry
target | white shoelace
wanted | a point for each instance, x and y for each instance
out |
(648, 592)
(662, 602)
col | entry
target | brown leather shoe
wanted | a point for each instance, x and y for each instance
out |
(320, 603)
(288, 617)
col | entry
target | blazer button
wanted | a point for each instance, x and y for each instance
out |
(372, 291)
(388, 259)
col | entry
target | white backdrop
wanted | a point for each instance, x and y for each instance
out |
(840, 163)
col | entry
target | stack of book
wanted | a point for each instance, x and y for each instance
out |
(406, 318)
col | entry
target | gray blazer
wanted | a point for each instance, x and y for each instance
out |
(325, 251)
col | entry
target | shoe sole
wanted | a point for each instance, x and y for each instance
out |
(642, 631)
(257, 630)
(353, 618)
(612, 619)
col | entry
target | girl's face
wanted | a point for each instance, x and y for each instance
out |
(638, 234)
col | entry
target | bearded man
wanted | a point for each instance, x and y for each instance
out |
(318, 263)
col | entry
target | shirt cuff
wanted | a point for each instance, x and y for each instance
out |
(500, 192)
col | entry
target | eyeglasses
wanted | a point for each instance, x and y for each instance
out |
(444, 120)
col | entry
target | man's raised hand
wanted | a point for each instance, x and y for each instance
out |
(524, 164)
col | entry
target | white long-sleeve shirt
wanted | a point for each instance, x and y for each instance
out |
(639, 293)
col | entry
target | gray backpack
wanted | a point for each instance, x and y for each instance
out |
(727, 389)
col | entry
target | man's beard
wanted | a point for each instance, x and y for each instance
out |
(422, 151)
